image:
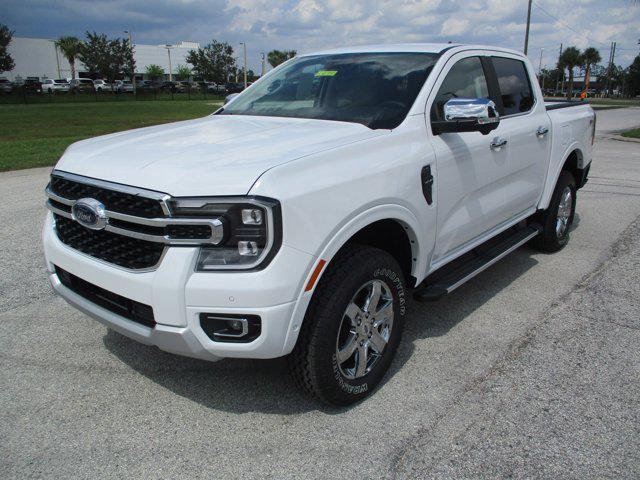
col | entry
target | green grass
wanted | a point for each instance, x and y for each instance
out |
(632, 133)
(36, 135)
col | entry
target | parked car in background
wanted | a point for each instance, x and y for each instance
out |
(78, 85)
(5, 86)
(146, 86)
(32, 85)
(233, 87)
(168, 87)
(124, 86)
(186, 86)
(102, 85)
(55, 86)
(213, 87)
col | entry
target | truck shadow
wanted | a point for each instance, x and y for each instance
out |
(241, 386)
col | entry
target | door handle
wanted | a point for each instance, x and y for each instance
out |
(542, 131)
(497, 143)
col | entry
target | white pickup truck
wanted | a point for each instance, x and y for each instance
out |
(298, 219)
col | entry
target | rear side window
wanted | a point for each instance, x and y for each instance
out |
(465, 80)
(515, 88)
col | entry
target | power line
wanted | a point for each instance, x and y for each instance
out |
(582, 34)
(561, 21)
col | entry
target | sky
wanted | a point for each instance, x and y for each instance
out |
(308, 25)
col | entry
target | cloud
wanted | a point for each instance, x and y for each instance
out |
(307, 25)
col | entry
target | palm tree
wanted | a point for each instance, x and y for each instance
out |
(590, 57)
(70, 48)
(569, 60)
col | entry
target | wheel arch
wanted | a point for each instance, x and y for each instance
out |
(400, 237)
(573, 162)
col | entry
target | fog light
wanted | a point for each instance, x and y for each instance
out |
(236, 325)
(248, 249)
(252, 216)
(231, 328)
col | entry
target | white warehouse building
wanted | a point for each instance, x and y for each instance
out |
(39, 57)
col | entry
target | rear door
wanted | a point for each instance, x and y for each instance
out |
(529, 129)
(471, 175)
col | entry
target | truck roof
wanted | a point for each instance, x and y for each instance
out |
(411, 47)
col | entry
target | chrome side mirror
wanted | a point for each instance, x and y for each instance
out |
(481, 110)
(468, 115)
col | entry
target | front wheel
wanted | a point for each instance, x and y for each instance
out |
(352, 328)
(557, 219)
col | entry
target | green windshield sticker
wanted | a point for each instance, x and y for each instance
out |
(326, 73)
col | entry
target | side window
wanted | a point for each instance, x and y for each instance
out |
(513, 81)
(465, 80)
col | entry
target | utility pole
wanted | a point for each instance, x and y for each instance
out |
(133, 74)
(613, 56)
(263, 59)
(526, 35)
(558, 69)
(244, 45)
(540, 65)
(169, 47)
(610, 66)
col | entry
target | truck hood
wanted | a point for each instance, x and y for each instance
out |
(214, 155)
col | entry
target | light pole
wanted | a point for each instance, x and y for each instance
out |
(133, 74)
(244, 45)
(526, 35)
(57, 57)
(169, 47)
(263, 59)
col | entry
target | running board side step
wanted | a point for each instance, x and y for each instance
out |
(430, 292)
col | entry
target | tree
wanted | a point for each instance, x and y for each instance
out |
(155, 71)
(548, 78)
(183, 72)
(590, 57)
(111, 59)
(569, 60)
(70, 48)
(6, 61)
(215, 62)
(276, 57)
(633, 78)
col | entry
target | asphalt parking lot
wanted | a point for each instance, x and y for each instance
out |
(530, 370)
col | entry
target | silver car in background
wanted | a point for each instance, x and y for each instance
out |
(55, 86)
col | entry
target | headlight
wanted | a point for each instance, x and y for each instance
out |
(252, 230)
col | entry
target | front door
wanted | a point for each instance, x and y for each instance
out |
(472, 175)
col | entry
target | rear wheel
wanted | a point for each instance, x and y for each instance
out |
(556, 220)
(352, 327)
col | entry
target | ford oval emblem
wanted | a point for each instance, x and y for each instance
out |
(89, 213)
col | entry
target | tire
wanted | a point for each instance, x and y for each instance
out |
(554, 237)
(331, 324)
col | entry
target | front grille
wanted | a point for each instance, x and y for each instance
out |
(125, 307)
(121, 250)
(113, 200)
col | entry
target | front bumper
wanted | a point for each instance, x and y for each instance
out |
(178, 295)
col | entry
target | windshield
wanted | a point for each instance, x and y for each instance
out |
(375, 89)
